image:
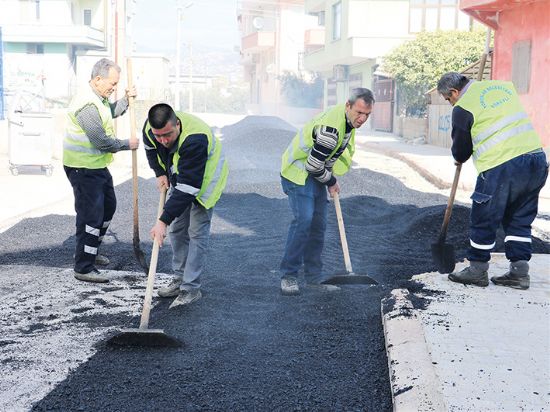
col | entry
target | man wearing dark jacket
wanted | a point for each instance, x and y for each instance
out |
(188, 160)
(490, 125)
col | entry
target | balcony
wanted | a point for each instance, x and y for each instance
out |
(258, 41)
(39, 33)
(487, 10)
(314, 6)
(350, 51)
(314, 39)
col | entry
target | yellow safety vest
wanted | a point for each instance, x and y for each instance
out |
(293, 166)
(502, 129)
(216, 170)
(78, 151)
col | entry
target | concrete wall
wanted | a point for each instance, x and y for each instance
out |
(411, 128)
(439, 125)
(528, 22)
(48, 74)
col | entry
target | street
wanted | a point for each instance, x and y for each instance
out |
(245, 346)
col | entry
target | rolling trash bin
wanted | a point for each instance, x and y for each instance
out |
(30, 141)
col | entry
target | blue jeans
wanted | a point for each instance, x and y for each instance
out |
(507, 194)
(306, 234)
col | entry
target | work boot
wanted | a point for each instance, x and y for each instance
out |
(517, 277)
(289, 286)
(102, 260)
(475, 274)
(186, 297)
(173, 289)
(323, 288)
(93, 276)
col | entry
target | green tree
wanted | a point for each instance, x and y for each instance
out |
(301, 93)
(418, 64)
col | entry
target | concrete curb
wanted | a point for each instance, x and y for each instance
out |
(405, 339)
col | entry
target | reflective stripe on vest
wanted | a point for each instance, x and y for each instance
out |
(501, 130)
(301, 146)
(215, 171)
(293, 162)
(78, 151)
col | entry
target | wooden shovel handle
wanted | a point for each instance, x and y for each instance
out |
(132, 113)
(342, 230)
(450, 202)
(152, 271)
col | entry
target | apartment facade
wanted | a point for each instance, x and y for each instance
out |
(42, 39)
(358, 33)
(272, 43)
(521, 51)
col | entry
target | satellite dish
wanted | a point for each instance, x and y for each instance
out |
(258, 22)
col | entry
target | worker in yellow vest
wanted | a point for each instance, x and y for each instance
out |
(490, 125)
(322, 149)
(188, 161)
(87, 151)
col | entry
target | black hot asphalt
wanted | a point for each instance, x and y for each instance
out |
(246, 347)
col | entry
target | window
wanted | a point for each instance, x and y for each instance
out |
(336, 20)
(35, 48)
(431, 15)
(332, 97)
(87, 17)
(521, 65)
(37, 9)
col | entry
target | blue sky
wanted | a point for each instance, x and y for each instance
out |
(208, 24)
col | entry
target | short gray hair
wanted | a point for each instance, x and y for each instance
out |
(451, 80)
(363, 94)
(102, 67)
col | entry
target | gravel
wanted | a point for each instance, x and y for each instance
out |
(246, 347)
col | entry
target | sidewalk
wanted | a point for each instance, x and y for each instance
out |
(32, 193)
(436, 165)
(464, 348)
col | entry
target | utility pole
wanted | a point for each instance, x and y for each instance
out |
(178, 53)
(178, 58)
(190, 78)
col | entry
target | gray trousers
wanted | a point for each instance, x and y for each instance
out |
(189, 234)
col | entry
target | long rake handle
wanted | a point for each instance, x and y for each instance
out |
(132, 113)
(152, 271)
(342, 230)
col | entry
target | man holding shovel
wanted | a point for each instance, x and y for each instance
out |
(188, 161)
(87, 151)
(490, 124)
(322, 149)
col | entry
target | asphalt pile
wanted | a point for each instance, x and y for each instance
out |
(254, 147)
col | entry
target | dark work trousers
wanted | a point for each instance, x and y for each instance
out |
(507, 194)
(95, 205)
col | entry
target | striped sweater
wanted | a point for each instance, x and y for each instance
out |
(325, 139)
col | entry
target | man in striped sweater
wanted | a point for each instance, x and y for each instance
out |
(322, 149)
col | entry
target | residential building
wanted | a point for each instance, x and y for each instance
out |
(272, 43)
(521, 51)
(358, 33)
(42, 39)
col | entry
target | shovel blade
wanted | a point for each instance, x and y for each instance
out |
(143, 337)
(350, 279)
(443, 255)
(140, 256)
